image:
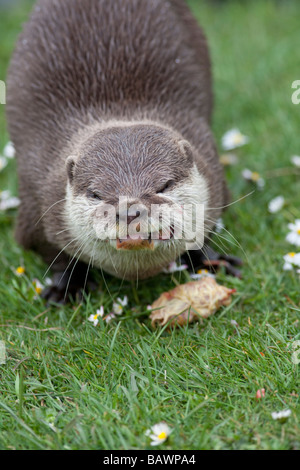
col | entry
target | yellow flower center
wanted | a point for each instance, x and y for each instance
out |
(255, 176)
(202, 271)
(20, 270)
(38, 290)
(96, 316)
(162, 435)
(238, 138)
(298, 231)
(292, 254)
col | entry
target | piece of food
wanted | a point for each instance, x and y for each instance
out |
(188, 302)
(132, 244)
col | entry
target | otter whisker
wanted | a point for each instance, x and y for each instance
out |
(231, 203)
(71, 261)
(71, 274)
(89, 265)
(62, 231)
(61, 251)
(46, 212)
(103, 276)
(238, 245)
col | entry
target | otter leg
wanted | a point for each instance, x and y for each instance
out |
(69, 284)
(71, 278)
(208, 258)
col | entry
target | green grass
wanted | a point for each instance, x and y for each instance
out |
(103, 387)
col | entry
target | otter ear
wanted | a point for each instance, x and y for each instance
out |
(70, 166)
(186, 149)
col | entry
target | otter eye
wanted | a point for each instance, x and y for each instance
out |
(166, 186)
(92, 195)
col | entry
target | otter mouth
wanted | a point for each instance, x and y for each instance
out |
(140, 242)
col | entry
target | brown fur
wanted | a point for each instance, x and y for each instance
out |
(82, 62)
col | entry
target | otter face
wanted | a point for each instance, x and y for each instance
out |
(127, 189)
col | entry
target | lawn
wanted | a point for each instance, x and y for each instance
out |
(67, 384)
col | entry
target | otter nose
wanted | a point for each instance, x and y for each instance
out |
(126, 217)
(130, 218)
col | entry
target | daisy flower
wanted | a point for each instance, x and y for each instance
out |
(38, 287)
(201, 274)
(20, 271)
(291, 260)
(110, 317)
(7, 201)
(276, 204)
(254, 177)
(294, 236)
(95, 318)
(119, 305)
(9, 150)
(158, 433)
(233, 139)
(281, 415)
(173, 268)
(295, 159)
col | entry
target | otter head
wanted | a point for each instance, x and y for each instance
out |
(130, 189)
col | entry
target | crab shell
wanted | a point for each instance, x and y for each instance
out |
(188, 302)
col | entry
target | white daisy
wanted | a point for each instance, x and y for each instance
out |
(38, 286)
(294, 236)
(11, 203)
(119, 305)
(254, 177)
(117, 308)
(110, 317)
(20, 271)
(233, 139)
(276, 204)
(95, 318)
(7, 201)
(158, 433)
(281, 414)
(4, 195)
(9, 150)
(291, 260)
(295, 159)
(201, 274)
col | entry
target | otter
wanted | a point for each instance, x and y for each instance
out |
(108, 99)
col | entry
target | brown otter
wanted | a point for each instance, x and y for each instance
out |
(109, 98)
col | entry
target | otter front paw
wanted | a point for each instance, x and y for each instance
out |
(67, 286)
(210, 259)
